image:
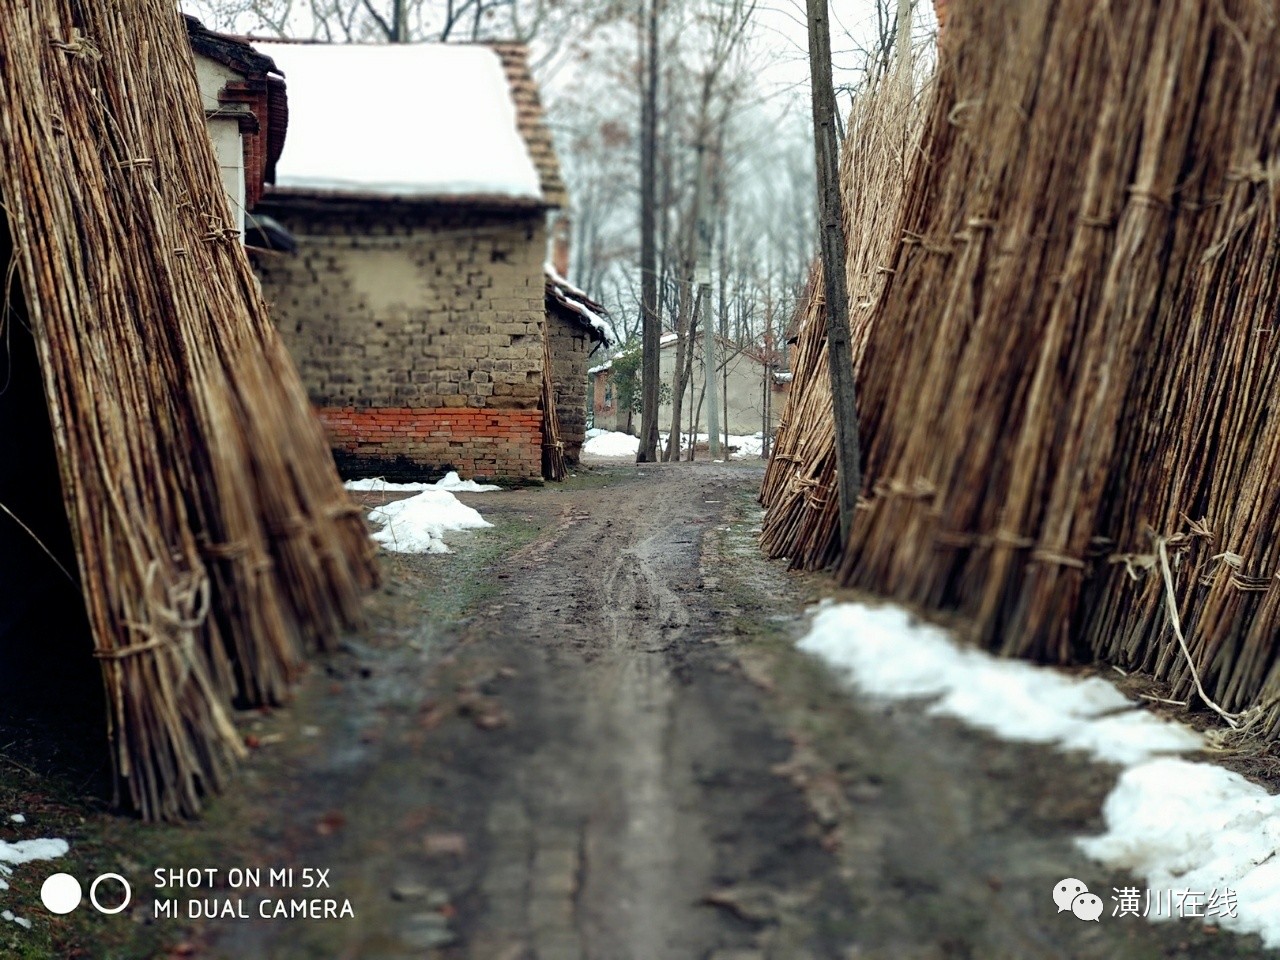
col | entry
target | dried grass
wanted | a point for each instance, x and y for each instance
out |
(1069, 390)
(215, 543)
(882, 142)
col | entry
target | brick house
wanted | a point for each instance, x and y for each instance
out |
(418, 181)
(246, 111)
(576, 328)
(749, 375)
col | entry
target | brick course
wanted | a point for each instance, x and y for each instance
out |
(396, 442)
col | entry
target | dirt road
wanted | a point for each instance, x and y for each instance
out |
(606, 749)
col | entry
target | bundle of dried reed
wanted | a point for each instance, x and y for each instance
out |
(214, 539)
(881, 144)
(1069, 389)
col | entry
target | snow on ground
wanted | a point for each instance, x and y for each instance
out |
(1181, 825)
(450, 481)
(743, 448)
(1196, 826)
(747, 447)
(25, 851)
(413, 119)
(418, 524)
(612, 445)
(602, 443)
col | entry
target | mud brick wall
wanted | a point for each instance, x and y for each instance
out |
(417, 332)
(570, 347)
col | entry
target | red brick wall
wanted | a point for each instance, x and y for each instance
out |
(413, 443)
(253, 93)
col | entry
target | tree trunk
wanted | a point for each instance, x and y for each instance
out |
(679, 379)
(704, 308)
(651, 334)
(400, 23)
(831, 225)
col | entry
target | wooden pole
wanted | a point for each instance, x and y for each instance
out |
(839, 352)
(651, 329)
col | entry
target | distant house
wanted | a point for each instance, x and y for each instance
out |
(749, 376)
(418, 180)
(246, 110)
(576, 327)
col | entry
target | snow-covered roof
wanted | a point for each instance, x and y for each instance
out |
(575, 304)
(421, 120)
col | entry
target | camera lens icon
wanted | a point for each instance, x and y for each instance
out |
(62, 893)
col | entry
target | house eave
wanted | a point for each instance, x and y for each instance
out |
(309, 196)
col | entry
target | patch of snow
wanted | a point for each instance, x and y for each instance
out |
(595, 432)
(668, 339)
(418, 524)
(18, 818)
(612, 445)
(20, 921)
(1198, 827)
(746, 447)
(25, 851)
(450, 481)
(590, 316)
(1181, 825)
(571, 295)
(554, 276)
(414, 119)
(743, 448)
(887, 653)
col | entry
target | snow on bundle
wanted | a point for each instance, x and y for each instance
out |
(418, 524)
(209, 534)
(1061, 394)
(443, 122)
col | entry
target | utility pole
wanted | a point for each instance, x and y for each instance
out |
(903, 40)
(703, 276)
(651, 327)
(839, 353)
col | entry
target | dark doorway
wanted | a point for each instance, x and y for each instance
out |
(51, 705)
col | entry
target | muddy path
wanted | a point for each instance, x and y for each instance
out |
(610, 751)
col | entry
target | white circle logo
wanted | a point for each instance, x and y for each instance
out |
(93, 894)
(61, 893)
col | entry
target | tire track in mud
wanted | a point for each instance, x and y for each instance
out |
(635, 800)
